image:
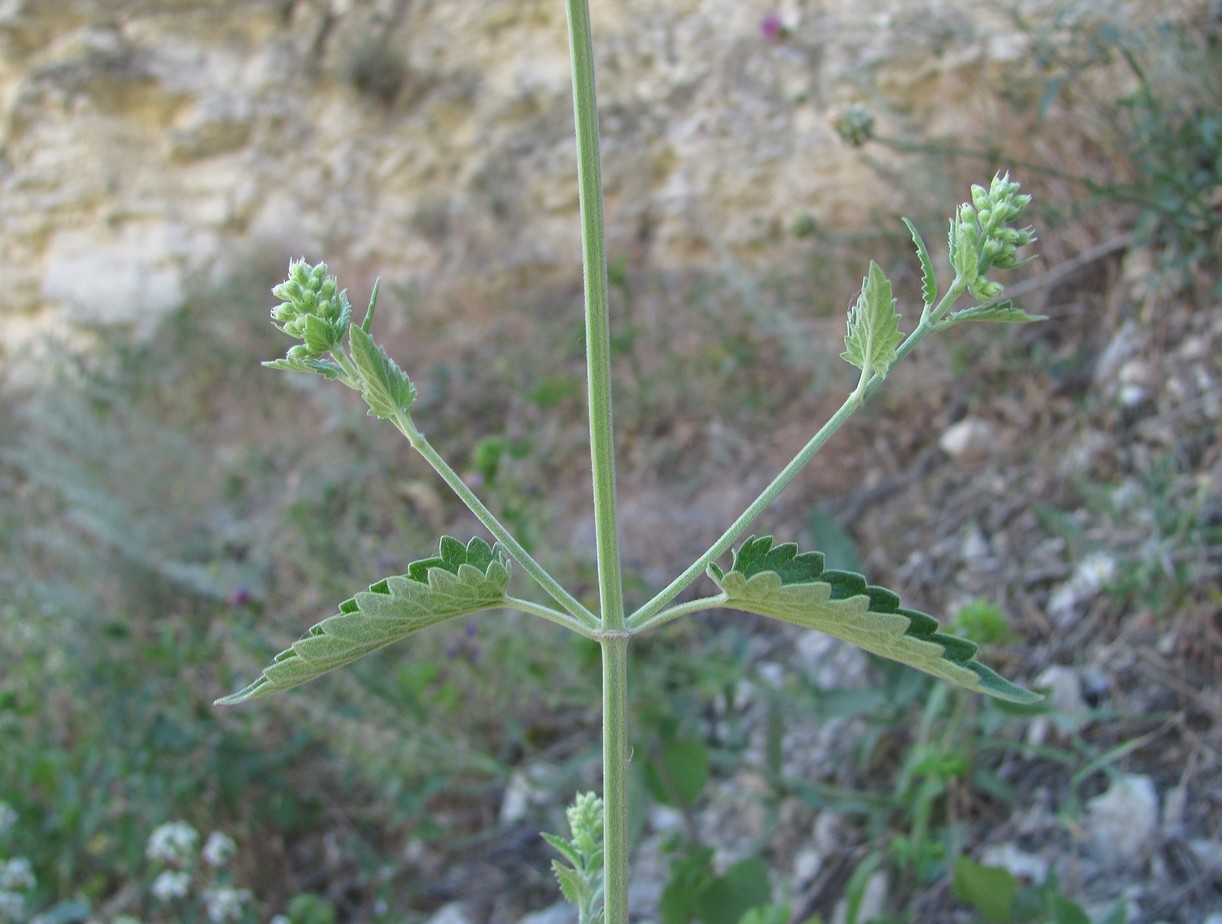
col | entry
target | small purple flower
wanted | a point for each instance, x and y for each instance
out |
(772, 28)
(241, 596)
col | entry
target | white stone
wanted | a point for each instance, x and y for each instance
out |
(1021, 864)
(806, 865)
(968, 438)
(1069, 709)
(1122, 822)
(528, 789)
(452, 913)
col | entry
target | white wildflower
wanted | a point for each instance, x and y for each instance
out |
(16, 874)
(170, 885)
(173, 842)
(218, 849)
(225, 903)
(12, 906)
(1095, 570)
(8, 818)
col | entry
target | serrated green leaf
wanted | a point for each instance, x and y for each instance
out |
(373, 303)
(799, 590)
(392, 609)
(564, 847)
(929, 283)
(320, 335)
(995, 313)
(964, 243)
(386, 388)
(874, 329)
(324, 367)
(572, 883)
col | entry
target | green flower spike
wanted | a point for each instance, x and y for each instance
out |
(312, 309)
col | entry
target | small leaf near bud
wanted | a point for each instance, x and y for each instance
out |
(873, 327)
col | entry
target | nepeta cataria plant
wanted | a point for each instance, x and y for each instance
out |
(763, 577)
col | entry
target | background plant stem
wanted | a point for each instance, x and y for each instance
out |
(602, 458)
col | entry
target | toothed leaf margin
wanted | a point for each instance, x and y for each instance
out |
(459, 581)
(779, 582)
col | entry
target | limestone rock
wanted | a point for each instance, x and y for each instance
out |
(149, 153)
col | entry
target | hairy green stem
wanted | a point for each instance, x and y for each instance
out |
(602, 460)
(556, 616)
(582, 619)
(648, 614)
(672, 613)
(598, 327)
(615, 778)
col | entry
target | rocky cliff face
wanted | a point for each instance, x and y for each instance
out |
(153, 146)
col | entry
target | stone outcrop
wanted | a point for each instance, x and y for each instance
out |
(152, 147)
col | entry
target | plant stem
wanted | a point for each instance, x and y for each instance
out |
(645, 617)
(546, 612)
(615, 778)
(614, 639)
(598, 328)
(581, 615)
(652, 613)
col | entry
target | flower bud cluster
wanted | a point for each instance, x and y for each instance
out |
(856, 126)
(981, 239)
(313, 309)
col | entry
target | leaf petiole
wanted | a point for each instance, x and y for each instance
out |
(581, 614)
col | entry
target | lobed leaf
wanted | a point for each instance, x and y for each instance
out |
(779, 582)
(386, 388)
(874, 329)
(460, 581)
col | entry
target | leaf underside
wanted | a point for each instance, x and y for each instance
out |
(459, 581)
(995, 313)
(386, 388)
(873, 325)
(779, 582)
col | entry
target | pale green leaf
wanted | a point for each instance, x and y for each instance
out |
(324, 367)
(996, 313)
(461, 581)
(373, 303)
(779, 582)
(386, 388)
(572, 883)
(929, 283)
(965, 245)
(560, 844)
(874, 329)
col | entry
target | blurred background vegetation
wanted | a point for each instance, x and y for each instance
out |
(171, 514)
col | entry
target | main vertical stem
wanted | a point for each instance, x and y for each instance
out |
(598, 328)
(615, 780)
(602, 457)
